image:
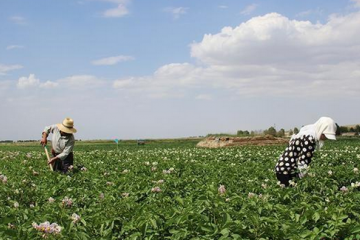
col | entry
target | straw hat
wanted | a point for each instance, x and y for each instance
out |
(67, 126)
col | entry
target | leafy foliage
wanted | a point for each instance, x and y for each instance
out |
(112, 197)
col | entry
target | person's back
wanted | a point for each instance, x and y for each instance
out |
(296, 158)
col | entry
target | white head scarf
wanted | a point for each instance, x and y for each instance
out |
(324, 125)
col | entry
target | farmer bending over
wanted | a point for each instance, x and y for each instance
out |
(297, 156)
(62, 144)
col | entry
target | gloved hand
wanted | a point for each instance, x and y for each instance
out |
(301, 175)
(303, 168)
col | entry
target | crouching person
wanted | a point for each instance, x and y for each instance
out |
(295, 160)
(63, 142)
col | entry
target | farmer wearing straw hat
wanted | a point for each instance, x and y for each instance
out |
(63, 142)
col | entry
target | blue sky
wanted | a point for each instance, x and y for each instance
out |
(167, 68)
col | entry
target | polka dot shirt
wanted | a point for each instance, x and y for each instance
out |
(299, 152)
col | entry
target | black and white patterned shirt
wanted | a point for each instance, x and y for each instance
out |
(297, 155)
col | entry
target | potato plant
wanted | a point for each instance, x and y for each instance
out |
(179, 192)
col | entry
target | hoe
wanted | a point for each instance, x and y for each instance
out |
(48, 158)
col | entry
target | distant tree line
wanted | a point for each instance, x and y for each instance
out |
(244, 133)
(282, 133)
(344, 129)
(19, 141)
(270, 131)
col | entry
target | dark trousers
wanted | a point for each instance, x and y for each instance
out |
(284, 179)
(63, 165)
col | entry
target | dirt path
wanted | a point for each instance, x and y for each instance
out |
(217, 142)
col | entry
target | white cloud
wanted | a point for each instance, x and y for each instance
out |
(118, 1)
(80, 82)
(274, 39)
(269, 55)
(28, 82)
(49, 85)
(6, 68)
(274, 54)
(119, 11)
(76, 82)
(112, 60)
(124, 83)
(181, 73)
(176, 12)
(249, 9)
(167, 76)
(11, 47)
(204, 97)
(223, 7)
(169, 81)
(356, 3)
(4, 85)
(18, 20)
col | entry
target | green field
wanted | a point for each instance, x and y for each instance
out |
(170, 190)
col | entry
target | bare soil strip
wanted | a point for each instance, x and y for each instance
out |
(217, 142)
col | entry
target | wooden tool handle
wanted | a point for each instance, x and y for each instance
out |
(48, 158)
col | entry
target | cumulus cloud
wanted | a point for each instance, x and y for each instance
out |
(204, 97)
(274, 39)
(268, 55)
(6, 68)
(112, 60)
(278, 54)
(4, 85)
(166, 77)
(49, 85)
(11, 47)
(119, 11)
(80, 82)
(356, 3)
(176, 12)
(170, 80)
(28, 82)
(124, 83)
(249, 9)
(76, 82)
(180, 73)
(118, 1)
